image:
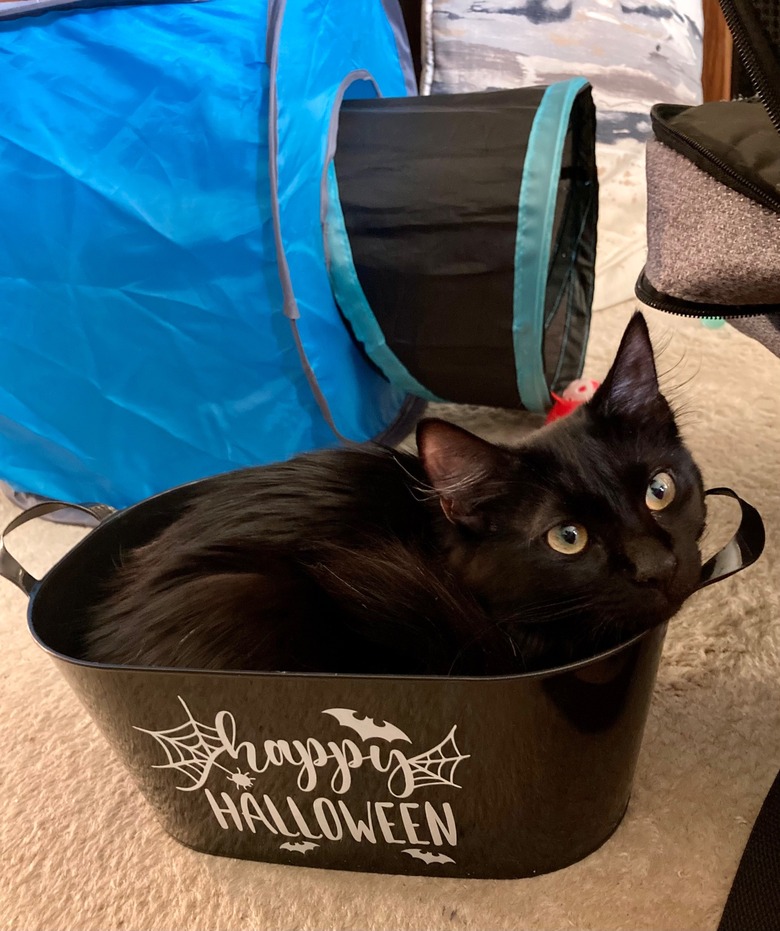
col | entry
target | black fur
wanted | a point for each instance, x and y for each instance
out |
(375, 561)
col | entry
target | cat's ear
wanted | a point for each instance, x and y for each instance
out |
(464, 470)
(631, 386)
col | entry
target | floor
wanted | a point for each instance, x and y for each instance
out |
(80, 849)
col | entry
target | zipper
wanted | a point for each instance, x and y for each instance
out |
(724, 313)
(770, 98)
(669, 134)
(648, 295)
(742, 41)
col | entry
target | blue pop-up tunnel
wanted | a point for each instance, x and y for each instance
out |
(193, 279)
(166, 311)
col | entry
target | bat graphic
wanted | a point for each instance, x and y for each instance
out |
(366, 728)
(303, 846)
(427, 857)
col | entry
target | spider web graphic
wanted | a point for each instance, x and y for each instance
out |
(434, 767)
(192, 749)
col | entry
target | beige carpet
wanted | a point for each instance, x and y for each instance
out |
(81, 850)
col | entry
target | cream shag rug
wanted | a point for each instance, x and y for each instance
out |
(80, 849)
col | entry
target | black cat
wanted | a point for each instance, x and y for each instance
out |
(471, 559)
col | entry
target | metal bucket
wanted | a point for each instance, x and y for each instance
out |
(496, 777)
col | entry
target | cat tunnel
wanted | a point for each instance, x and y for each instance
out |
(232, 232)
(461, 249)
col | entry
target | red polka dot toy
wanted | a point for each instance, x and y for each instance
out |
(576, 392)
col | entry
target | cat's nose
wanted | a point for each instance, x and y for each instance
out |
(652, 563)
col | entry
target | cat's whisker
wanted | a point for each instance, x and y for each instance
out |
(686, 414)
(464, 484)
(526, 617)
(419, 491)
(671, 369)
(538, 612)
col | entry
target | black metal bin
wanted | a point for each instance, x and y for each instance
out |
(499, 777)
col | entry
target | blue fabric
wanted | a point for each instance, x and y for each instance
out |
(142, 339)
(535, 217)
(320, 44)
(352, 299)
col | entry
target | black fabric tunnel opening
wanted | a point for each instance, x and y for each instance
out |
(429, 188)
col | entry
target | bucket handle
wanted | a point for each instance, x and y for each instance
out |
(742, 550)
(9, 567)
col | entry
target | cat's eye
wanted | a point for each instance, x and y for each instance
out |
(568, 539)
(660, 491)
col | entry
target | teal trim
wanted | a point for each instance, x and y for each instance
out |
(352, 300)
(535, 216)
(587, 217)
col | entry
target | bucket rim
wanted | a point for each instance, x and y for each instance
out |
(659, 630)
(742, 551)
